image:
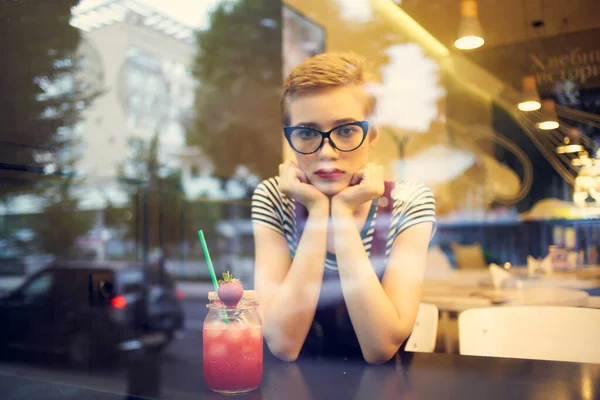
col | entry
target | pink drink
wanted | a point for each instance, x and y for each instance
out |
(233, 356)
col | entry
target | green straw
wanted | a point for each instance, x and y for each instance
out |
(211, 270)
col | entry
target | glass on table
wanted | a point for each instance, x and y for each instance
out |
(233, 345)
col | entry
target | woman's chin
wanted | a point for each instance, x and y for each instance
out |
(331, 188)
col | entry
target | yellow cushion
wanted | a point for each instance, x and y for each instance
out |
(468, 256)
(437, 264)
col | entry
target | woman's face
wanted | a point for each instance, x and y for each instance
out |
(329, 169)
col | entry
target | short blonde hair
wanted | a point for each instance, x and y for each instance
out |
(326, 71)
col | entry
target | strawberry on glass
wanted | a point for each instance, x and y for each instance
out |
(230, 290)
(232, 339)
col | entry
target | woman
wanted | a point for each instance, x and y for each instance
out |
(321, 288)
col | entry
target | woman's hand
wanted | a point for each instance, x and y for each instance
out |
(294, 183)
(365, 185)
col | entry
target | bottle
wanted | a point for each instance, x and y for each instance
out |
(593, 255)
(232, 345)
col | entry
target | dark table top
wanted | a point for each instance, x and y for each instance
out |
(412, 376)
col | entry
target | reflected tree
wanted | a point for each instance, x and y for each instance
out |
(238, 70)
(41, 98)
(161, 187)
(62, 222)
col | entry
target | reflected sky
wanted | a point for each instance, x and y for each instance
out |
(357, 10)
(410, 71)
(437, 164)
(194, 14)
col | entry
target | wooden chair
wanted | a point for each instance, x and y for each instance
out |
(424, 334)
(531, 332)
(594, 302)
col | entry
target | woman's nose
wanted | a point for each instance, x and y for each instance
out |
(327, 150)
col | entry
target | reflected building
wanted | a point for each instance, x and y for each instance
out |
(140, 60)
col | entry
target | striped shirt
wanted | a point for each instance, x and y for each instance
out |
(413, 204)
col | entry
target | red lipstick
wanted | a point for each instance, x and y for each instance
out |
(329, 173)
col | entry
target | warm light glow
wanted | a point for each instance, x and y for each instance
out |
(569, 149)
(470, 33)
(529, 105)
(118, 302)
(548, 125)
(530, 99)
(408, 25)
(583, 160)
(469, 42)
(548, 119)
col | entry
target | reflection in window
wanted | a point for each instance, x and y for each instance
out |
(143, 91)
(156, 93)
(58, 86)
(38, 288)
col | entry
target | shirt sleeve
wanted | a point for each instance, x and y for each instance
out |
(414, 204)
(266, 205)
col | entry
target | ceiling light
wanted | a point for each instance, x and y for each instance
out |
(583, 160)
(568, 148)
(571, 143)
(470, 33)
(530, 99)
(548, 120)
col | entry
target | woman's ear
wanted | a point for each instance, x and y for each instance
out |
(373, 135)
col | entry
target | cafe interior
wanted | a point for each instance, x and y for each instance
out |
(492, 104)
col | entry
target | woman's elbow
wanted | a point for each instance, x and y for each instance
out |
(384, 353)
(283, 349)
(288, 356)
(284, 353)
(380, 357)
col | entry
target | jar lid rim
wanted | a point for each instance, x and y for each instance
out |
(242, 305)
(247, 296)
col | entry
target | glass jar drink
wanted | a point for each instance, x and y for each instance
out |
(233, 345)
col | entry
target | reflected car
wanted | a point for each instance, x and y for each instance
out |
(92, 312)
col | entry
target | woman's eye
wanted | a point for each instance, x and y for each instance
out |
(348, 130)
(307, 134)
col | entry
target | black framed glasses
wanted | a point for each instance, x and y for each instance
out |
(346, 137)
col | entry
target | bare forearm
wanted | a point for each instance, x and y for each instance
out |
(368, 304)
(291, 310)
